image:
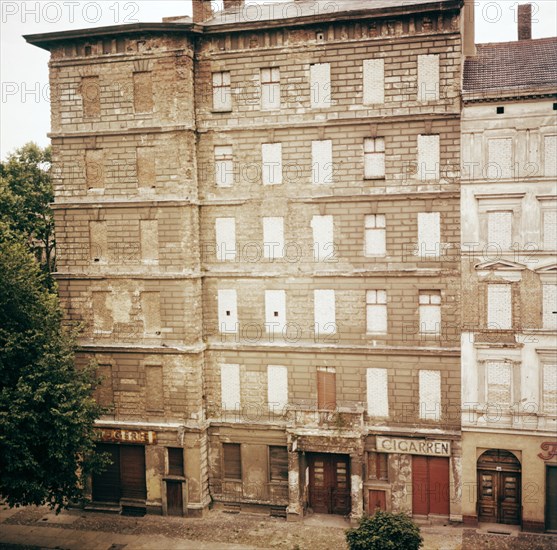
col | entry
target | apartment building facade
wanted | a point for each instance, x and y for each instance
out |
(258, 223)
(509, 276)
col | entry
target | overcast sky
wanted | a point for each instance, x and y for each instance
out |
(25, 111)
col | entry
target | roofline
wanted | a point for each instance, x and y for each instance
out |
(46, 40)
(509, 93)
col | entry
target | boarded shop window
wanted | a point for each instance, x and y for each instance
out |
(143, 92)
(225, 230)
(374, 81)
(222, 96)
(323, 238)
(428, 157)
(320, 78)
(175, 461)
(428, 78)
(232, 461)
(224, 166)
(378, 466)
(270, 89)
(429, 234)
(499, 306)
(376, 311)
(228, 311)
(374, 158)
(91, 96)
(271, 163)
(375, 235)
(278, 463)
(326, 388)
(154, 397)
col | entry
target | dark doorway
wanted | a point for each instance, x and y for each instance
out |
(329, 483)
(106, 485)
(174, 500)
(499, 479)
(551, 498)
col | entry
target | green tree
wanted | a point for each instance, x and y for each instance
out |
(47, 409)
(25, 197)
(385, 531)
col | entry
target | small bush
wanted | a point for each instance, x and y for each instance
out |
(385, 531)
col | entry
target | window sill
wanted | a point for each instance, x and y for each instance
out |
(170, 477)
(220, 111)
(374, 178)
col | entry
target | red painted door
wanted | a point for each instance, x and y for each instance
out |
(430, 486)
(377, 501)
(420, 505)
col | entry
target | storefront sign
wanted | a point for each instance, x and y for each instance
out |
(429, 447)
(550, 447)
(127, 436)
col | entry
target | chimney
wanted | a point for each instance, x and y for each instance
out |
(525, 21)
(202, 10)
(468, 29)
(233, 4)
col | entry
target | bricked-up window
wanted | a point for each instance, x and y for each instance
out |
(428, 78)
(270, 89)
(175, 461)
(151, 312)
(375, 235)
(499, 229)
(549, 397)
(376, 310)
(273, 238)
(374, 81)
(275, 311)
(429, 234)
(326, 388)
(230, 387)
(145, 166)
(428, 157)
(377, 393)
(102, 313)
(323, 238)
(320, 85)
(278, 463)
(277, 388)
(271, 163)
(499, 383)
(550, 155)
(227, 311)
(499, 306)
(143, 92)
(94, 168)
(222, 93)
(224, 166)
(324, 311)
(232, 461)
(225, 230)
(549, 222)
(149, 240)
(322, 162)
(378, 468)
(549, 296)
(374, 158)
(154, 397)
(499, 158)
(105, 391)
(91, 96)
(430, 394)
(430, 311)
(98, 241)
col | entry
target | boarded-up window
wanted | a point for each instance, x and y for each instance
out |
(230, 387)
(550, 155)
(228, 311)
(278, 463)
(94, 168)
(326, 388)
(430, 311)
(374, 81)
(375, 235)
(499, 383)
(271, 165)
(277, 388)
(430, 394)
(270, 89)
(322, 162)
(550, 389)
(374, 158)
(224, 166)
(377, 393)
(98, 241)
(151, 312)
(275, 311)
(273, 238)
(225, 229)
(91, 96)
(428, 157)
(549, 306)
(499, 306)
(232, 461)
(105, 391)
(102, 315)
(175, 461)
(222, 95)
(550, 230)
(145, 165)
(324, 311)
(149, 233)
(320, 78)
(154, 398)
(376, 311)
(500, 158)
(143, 92)
(378, 466)
(323, 238)
(429, 234)
(499, 229)
(428, 78)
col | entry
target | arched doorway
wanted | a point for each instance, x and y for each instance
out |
(499, 487)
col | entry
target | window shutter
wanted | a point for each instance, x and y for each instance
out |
(278, 458)
(326, 390)
(232, 460)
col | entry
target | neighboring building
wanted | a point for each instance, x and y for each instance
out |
(509, 289)
(258, 221)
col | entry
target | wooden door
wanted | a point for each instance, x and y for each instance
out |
(174, 500)
(132, 468)
(551, 498)
(329, 484)
(499, 497)
(420, 506)
(377, 501)
(438, 485)
(487, 496)
(106, 485)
